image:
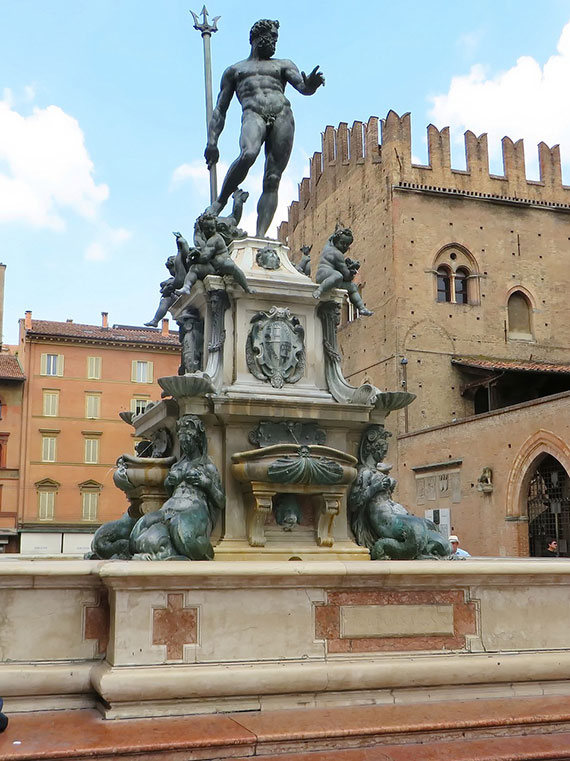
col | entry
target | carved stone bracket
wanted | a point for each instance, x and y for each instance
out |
(329, 509)
(260, 505)
(219, 302)
(340, 388)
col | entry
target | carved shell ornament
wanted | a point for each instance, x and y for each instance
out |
(275, 347)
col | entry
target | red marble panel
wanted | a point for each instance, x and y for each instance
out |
(327, 620)
(97, 622)
(175, 626)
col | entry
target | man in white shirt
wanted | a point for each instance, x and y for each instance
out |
(456, 551)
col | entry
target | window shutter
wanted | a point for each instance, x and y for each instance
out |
(133, 405)
(134, 371)
(43, 364)
(149, 372)
(60, 364)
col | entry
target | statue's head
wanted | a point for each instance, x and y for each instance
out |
(191, 435)
(169, 264)
(342, 238)
(373, 445)
(263, 37)
(207, 223)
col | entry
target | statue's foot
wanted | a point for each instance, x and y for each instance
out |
(317, 294)
(182, 291)
(214, 208)
(151, 324)
(364, 312)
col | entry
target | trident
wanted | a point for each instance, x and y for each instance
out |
(207, 30)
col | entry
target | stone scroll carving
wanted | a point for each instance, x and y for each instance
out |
(340, 388)
(275, 347)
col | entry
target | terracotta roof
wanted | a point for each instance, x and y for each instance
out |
(488, 363)
(10, 368)
(115, 334)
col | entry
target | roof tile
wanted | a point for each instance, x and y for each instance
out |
(10, 368)
(489, 363)
(115, 334)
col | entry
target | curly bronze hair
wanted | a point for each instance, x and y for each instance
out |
(375, 436)
(340, 232)
(193, 422)
(261, 27)
(206, 217)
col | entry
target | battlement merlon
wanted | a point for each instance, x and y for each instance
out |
(357, 149)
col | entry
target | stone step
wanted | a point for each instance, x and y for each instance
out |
(512, 729)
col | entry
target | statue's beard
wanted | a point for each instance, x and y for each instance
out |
(266, 47)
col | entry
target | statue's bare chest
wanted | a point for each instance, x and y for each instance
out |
(266, 71)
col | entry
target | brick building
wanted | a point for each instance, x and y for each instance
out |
(466, 274)
(78, 379)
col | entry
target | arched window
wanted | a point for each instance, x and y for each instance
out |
(443, 284)
(548, 503)
(519, 316)
(461, 276)
(457, 275)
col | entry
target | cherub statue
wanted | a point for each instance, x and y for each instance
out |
(167, 295)
(336, 271)
(227, 226)
(181, 528)
(304, 264)
(210, 257)
(379, 523)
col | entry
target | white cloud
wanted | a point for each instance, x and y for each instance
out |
(45, 168)
(107, 241)
(528, 101)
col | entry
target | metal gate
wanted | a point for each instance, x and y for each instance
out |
(548, 507)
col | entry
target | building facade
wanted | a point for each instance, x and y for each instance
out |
(466, 274)
(78, 378)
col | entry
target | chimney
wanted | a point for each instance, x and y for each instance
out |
(28, 319)
(165, 329)
(104, 319)
(69, 319)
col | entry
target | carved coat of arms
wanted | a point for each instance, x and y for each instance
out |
(275, 348)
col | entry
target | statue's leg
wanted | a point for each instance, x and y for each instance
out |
(334, 280)
(189, 281)
(163, 307)
(278, 146)
(356, 299)
(253, 129)
(226, 266)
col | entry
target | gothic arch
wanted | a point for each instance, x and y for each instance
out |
(465, 257)
(524, 291)
(535, 447)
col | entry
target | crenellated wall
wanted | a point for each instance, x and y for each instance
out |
(390, 149)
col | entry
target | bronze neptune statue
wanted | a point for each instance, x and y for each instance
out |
(259, 83)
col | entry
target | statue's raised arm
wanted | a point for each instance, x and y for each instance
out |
(303, 83)
(259, 83)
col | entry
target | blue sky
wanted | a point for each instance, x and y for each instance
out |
(102, 125)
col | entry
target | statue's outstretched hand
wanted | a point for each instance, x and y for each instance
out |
(211, 154)
(315, 79)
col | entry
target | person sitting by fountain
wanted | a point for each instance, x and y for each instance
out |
(181, 528)
(211, 258)
(334, 271)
